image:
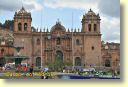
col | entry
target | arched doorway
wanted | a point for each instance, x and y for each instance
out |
(2, 59)
(77, 61)
(2, 62)
(38, 62)
(59, 58)
(107, 63)
(20, 27)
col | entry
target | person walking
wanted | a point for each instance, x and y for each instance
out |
(31, 69)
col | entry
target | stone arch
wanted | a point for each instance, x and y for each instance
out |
(107, 63)
(77, 42)
(25, 26)
(38, 41)
(38, 62)
(89, 27)
(77, 61)
(95, 27)
(19, 27)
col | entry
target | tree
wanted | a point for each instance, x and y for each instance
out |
(1, 25)
(9, 24)
(67, 63)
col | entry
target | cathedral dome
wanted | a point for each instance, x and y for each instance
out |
(58, 26)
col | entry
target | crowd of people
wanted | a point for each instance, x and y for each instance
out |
(20, 68)
(25, 68)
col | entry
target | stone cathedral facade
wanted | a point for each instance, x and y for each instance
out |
(79, 47)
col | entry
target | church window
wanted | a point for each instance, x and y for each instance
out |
(77, 42)
(58, 41)
(25, 26)
(95, 26)
(38, 41)
(89, 27)
(19, 27)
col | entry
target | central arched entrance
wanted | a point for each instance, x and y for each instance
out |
(59, 58)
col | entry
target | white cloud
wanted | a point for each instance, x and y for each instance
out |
(110, 29)
(13, 5)
(110, 7)
(75, 4)
(35, 4)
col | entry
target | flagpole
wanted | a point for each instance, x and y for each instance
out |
(72, 44)
(41, 41)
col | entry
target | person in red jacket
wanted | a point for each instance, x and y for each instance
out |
(25, 68)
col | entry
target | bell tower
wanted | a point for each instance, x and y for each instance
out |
(91, 22)
(92, 39)
(22, 21)
(23, 34)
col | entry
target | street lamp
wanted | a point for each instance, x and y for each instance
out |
(41, 45)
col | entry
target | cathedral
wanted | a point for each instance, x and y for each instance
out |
(77, 47)
(58, 46)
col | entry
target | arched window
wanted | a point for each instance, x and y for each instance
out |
(95, 27)
(77, 61)
(77, 42)
(38, 41)
(68, 43)
(25, 26)
(20, 27)
(38, 62)
(107, 63)
(89, 27)
(58, 42)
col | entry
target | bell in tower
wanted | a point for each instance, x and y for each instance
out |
(91, 22)
(22, 21)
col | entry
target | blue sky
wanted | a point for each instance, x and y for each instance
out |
(52, 10)
(50, 16)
